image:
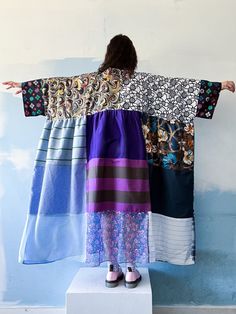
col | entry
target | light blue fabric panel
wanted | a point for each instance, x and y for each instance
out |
(58, 189)
(56, 222)
(49, 238)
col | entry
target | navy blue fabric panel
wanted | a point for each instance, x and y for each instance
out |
(171, 192)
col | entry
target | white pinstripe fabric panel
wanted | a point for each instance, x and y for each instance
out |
(171, 239)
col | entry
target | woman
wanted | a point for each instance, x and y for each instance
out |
(113, 175)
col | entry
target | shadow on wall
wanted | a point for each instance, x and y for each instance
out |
(210, 281)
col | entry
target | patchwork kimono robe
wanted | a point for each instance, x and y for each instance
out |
(113, 173)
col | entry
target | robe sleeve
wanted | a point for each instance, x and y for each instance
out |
(34, 97)
(182, 99)
(208, 98)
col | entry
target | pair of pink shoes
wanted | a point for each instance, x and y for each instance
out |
(114, 276)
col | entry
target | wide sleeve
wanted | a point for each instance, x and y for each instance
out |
(34, 97)
(54, 97)
(182, 99)
(208, 98)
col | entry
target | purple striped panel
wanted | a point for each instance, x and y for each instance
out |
(117, 162)
(118, 184)
(121, 207)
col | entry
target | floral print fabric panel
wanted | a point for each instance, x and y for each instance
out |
(33, 100)
(169, 144)
(170, 154)
(118, 237)
(208, 97)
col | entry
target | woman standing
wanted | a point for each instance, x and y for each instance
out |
(113, 174)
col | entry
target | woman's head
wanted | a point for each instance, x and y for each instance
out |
(120, 54)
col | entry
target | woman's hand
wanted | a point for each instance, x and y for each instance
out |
(229, 85)
(12, 84)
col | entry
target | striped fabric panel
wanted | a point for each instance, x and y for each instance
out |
(119, 184)
(171, 239)
(103, 195)
(62, 142)
(117, 172)
(112, 184)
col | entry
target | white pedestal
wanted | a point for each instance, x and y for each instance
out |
(88, 294)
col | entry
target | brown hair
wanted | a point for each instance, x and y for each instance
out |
(120, 54)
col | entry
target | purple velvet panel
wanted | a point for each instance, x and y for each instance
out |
(115, 134)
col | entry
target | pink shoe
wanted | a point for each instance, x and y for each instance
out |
(113, 277)
(132, 277)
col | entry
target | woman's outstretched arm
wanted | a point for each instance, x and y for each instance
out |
(229, 85)
(32, 96)
(12, 84)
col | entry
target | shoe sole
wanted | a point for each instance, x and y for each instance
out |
(133, 284)
(114, 283)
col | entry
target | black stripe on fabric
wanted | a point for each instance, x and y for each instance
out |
(64, 127)
(40, 160)
(171, 192)
(118, 196)
(45, 150)
(61, 138)
(118, 172)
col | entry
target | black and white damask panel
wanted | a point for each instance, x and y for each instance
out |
(165, 97)
(133, 94)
